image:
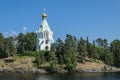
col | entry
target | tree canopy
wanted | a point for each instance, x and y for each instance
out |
(68, 52)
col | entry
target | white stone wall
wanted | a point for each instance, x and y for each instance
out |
(44, 36)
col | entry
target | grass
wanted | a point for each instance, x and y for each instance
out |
(23, 62)
(26, 62)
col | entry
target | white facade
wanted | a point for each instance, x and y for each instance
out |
(44, 35)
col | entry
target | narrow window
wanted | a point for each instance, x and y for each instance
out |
(46, 48)
(46, 41)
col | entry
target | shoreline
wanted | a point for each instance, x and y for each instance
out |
(26, 64)
(34, 71)
(40, 71)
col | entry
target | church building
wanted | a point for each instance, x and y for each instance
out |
(44, 35)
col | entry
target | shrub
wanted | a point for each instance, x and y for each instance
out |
(30, 53)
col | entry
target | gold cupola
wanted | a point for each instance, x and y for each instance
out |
(44, 15)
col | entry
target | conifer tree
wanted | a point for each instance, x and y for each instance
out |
(70, 53)
(82, 50)
(2, 47)
(115, 49)
(53, 61)
(60, 50)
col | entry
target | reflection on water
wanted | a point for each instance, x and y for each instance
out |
(72, 76)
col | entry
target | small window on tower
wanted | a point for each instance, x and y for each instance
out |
(46, 41)
(47, 34)
(41, 35)
(46, 48)
(39, 47)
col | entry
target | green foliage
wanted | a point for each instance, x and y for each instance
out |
(70, 60)
(67, 52)
(70, 53)
(115, 49)
(101, 42)
(2, 48)
(9, 46)
(82, 50)
(108, 57)
(51, 56)
(30, 41)
(26, 42)
(21, 44)
(60, 50)
(40, 58)
(30, 53)
(53, 66)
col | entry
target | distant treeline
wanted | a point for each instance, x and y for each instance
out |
(68, 52)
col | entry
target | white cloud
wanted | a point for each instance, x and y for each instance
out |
(24, 29)
(11, 33)
(6, 34)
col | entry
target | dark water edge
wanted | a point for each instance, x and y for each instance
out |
(61, 76)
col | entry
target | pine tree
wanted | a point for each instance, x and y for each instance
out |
(40, 58)
(2, 46)
(60, 50)
(70, 53)
(82, 50)
(115, 49)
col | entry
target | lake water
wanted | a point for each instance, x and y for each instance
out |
(70, 76)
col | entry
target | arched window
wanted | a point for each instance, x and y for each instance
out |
(46, 48)
(41, 35)
(46, 34)
(39, 47)
(46, 41)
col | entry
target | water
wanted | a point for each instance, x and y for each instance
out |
(72, 76)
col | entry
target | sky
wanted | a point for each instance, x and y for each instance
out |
(81, 18)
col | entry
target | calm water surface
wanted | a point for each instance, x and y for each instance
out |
(72, 76)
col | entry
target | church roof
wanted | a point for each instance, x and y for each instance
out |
(44, 24)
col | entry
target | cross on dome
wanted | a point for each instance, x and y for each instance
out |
(44, 10)
(44, 15)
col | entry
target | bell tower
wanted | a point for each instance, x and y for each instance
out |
(44, 34)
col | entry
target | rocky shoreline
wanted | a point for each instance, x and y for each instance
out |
(22, 71)
(26, 65)
(40, 71)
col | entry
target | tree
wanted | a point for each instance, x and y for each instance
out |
(9, 46)
(92, 51)
(70, 53)
(60, 50)
(2, 47)
(30, 41)
(101, 42)
(53, 62)
(103, 50)
(108, 57)
(70, 60)
(40, 58)
(82, 50)
(21, 43)
(115, 49)
(26, 42)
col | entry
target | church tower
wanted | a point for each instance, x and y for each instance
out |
(44, 35)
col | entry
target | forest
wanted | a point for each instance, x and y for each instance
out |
(68, 52)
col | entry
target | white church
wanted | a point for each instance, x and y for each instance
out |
(44, 35)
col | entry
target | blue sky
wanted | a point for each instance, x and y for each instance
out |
(92, 18)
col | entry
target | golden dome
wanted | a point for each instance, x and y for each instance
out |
(44, 15)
